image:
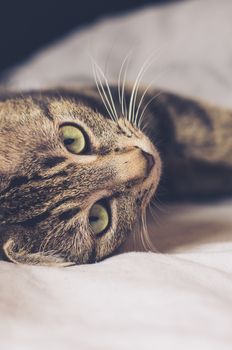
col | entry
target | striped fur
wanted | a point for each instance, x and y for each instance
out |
(46, 192)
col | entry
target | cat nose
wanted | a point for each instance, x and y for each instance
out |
(150, 160)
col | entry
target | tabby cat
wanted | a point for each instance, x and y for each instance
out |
(77, 172)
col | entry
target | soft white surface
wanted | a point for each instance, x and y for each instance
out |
(178, 300)
(133, 301)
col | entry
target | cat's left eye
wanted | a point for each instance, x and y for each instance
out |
(99, 218)
(73, 138)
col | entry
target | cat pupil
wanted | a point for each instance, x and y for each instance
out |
(94, 218)
(68, 142)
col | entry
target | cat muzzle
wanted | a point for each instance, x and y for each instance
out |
(135, 164)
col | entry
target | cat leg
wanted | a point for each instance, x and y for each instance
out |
(195, 143)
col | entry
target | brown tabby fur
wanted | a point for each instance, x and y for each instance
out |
(46, 192)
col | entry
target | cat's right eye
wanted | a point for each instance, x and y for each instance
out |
(73, 139)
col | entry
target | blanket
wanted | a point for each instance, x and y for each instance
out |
(181, 296)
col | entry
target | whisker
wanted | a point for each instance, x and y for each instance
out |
(122, 86)
(155, 217)
(144, 127)
(124, 109)
(140, 103)
(135, 88)
(148, 244)
(146, 106)
(142, 233)
(108, 89)
(103, 94)
(110, 100)
(142, 98)
(155, 202)
(103, 98)
(150, 60)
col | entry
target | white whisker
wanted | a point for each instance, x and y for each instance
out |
(140, 103)
(155, 202)
(144, 127)
(99, 75)
(106, 99)
(135, 88)
(109, 91)
(154, 215)
(102, 95)
(146, 240)
(148, 103)
(125, 62)
(136, 91)
(124, 105)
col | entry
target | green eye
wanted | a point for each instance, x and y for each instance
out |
(73, 138)
(98, 218)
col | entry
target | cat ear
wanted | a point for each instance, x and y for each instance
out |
(22, 256)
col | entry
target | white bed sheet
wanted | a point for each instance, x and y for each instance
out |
(180, 298)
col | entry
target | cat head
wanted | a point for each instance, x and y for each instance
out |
(74, 183)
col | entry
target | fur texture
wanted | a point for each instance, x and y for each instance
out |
(46, 192)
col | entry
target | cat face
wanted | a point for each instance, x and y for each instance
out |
(73, 183)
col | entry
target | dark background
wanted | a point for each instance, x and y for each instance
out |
(26, 25)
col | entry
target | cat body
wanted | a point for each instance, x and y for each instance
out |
(52, 200)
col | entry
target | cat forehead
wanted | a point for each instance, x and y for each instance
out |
(34, 110)
(43, 115)
(65, 109)
(49, 107)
